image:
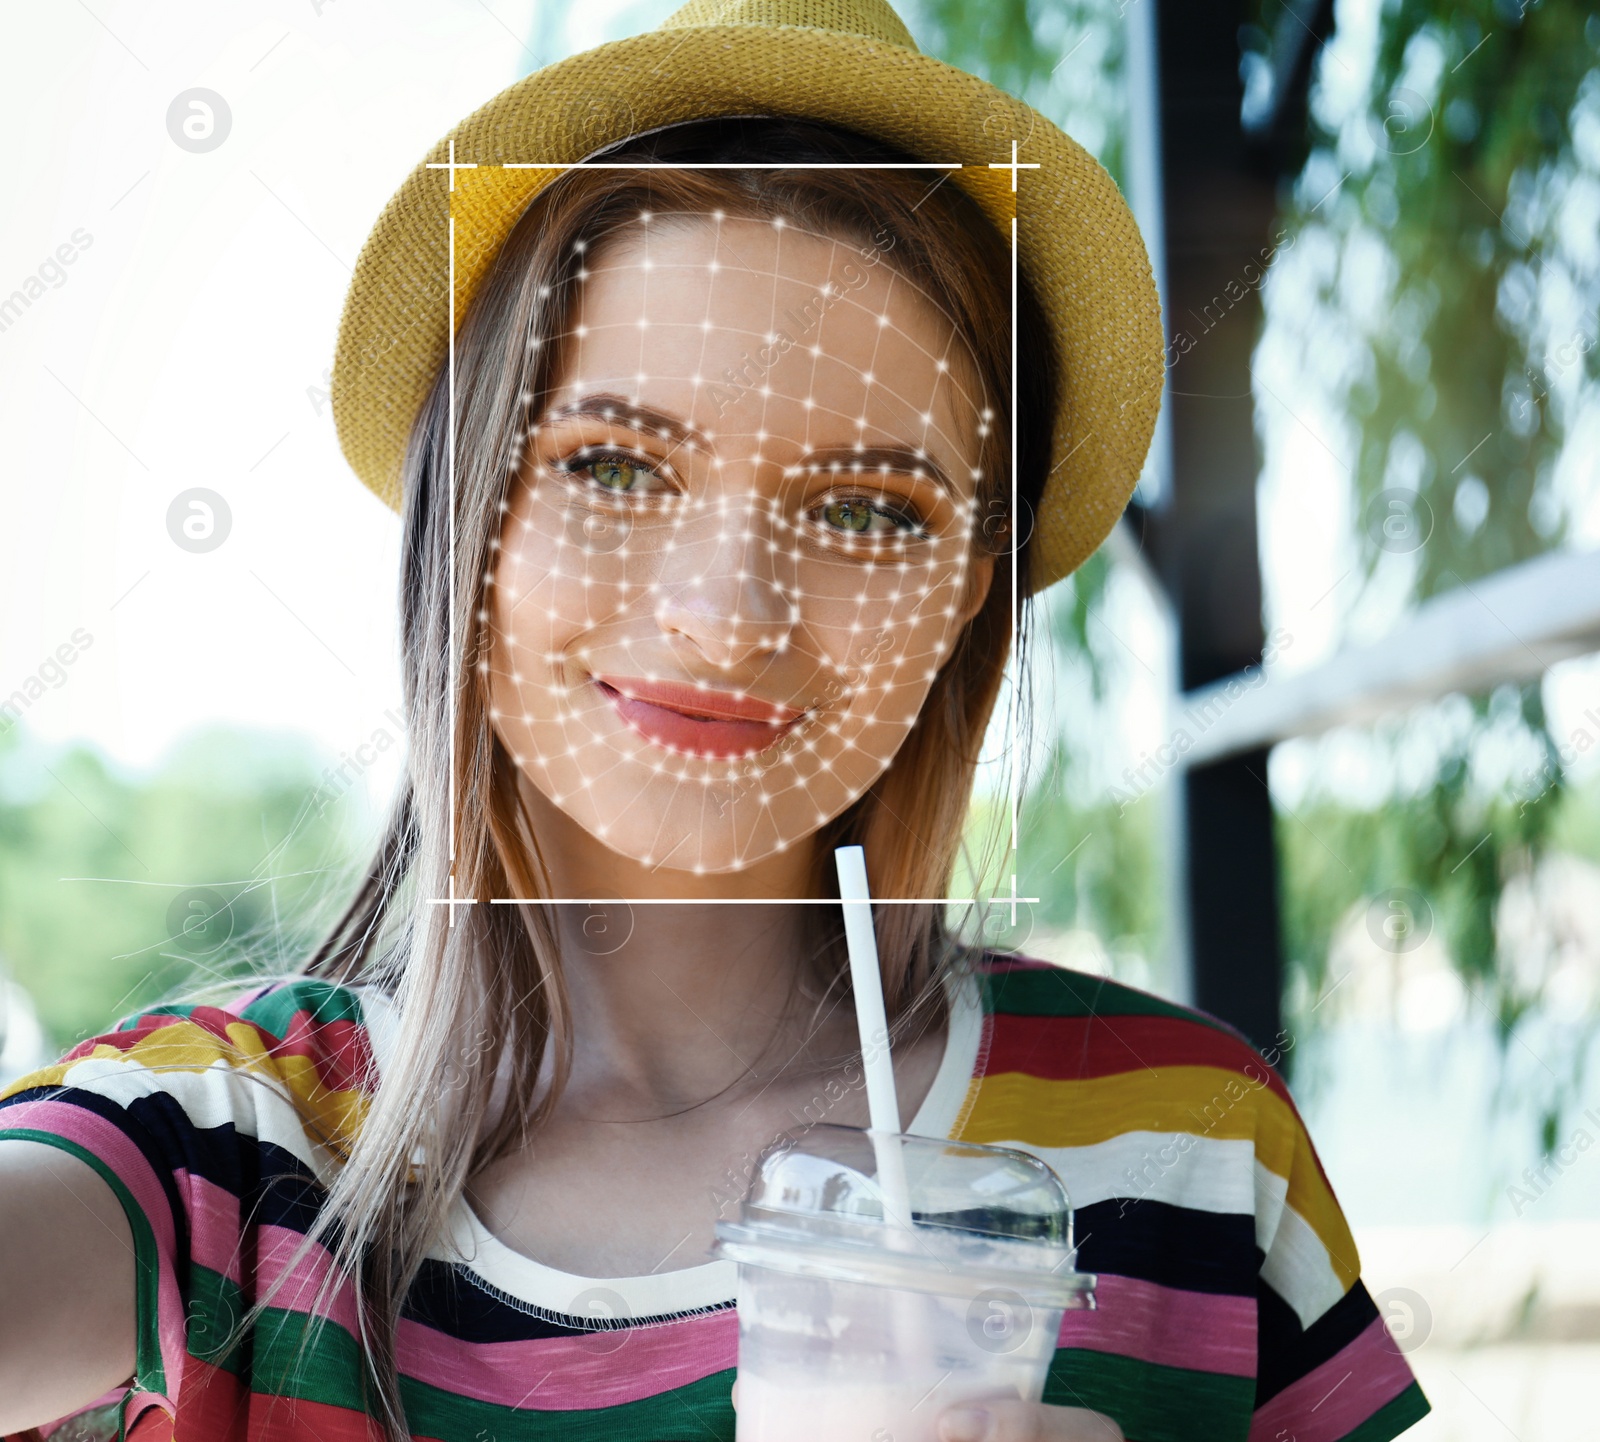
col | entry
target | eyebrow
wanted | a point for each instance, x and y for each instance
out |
(603, 406)
(899, 459)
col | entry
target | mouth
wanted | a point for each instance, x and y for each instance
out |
(696, 722)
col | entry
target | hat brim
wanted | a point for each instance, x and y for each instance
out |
(1078, 243)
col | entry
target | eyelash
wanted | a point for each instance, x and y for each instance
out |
(590, 456)
(907, 520)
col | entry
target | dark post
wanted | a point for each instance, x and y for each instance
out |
(1219, 192)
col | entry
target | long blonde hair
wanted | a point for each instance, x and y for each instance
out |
(483, 999)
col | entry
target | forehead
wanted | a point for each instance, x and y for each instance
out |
(749, 327)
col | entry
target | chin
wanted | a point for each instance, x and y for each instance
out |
(715, 834)
(704, 816)
(715, 830)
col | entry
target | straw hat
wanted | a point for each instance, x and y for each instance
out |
(849, 62)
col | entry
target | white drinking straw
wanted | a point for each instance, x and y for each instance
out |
(872, 1022)
(883, 1104)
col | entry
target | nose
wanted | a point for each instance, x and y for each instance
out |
(724, 588)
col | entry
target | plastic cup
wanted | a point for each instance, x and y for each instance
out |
(853, 1328)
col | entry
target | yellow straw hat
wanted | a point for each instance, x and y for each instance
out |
(849, 62)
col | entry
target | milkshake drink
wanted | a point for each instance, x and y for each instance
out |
(858, 1323)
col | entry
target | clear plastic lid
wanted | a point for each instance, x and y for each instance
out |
(980, 1217)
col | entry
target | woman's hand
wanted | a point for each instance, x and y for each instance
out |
(1013, 1421)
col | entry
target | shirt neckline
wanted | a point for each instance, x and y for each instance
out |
(521, 1279)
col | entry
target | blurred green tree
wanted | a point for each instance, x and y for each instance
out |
(1093, 863)
(116, 889)
(1448, 220)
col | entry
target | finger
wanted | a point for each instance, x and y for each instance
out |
(735, 1394)
(1014, 1421)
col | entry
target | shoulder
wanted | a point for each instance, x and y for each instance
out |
(291, 1054)
(1079, 1026)
(1184, 1108)
(1107, 1060)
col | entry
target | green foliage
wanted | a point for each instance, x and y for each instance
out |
(1093, 860)
(1450, 845)
(1113, 855)
(998, 41)
(1063, 57)
(1465, 188)
(1435, 863)
(1575, 827)
(1093, 867)
(1069, 623)
(1453, 324)
(1093, 864)
(217, 862)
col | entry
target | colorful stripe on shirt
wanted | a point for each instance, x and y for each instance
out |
(1230, 1305)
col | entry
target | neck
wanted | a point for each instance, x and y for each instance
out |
(681, 987)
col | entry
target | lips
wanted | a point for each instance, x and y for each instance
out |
(697, 722)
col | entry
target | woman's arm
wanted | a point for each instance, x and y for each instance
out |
(67, 1306)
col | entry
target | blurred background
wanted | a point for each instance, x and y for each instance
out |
(1311, 742)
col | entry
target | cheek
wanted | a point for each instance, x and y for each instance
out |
(882, 654)
(888, 620)
(523, 608)
(530, 625)
(892, 669)
(559, 572)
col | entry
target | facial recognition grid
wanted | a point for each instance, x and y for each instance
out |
(625, 504)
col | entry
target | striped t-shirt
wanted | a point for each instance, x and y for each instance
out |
(1230, 1306)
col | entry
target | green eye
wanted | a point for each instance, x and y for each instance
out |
(610, 471)
(856, 516)
(614, 474)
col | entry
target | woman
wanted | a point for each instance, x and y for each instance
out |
(714, 525)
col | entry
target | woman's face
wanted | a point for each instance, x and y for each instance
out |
(742, 541)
